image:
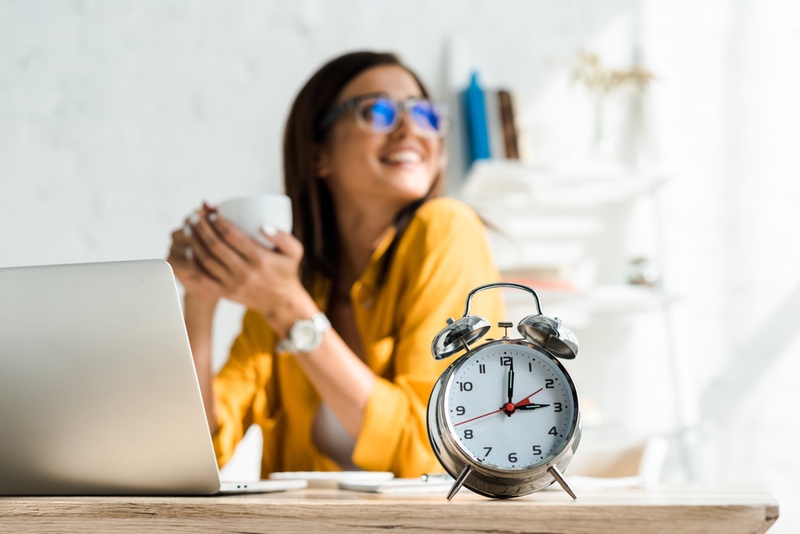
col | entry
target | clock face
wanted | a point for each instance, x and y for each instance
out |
(510, 406)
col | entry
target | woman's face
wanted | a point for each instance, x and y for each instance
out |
(388, 170)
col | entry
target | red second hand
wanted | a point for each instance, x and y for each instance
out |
(517, 405)
(484, 415)
(527, 400)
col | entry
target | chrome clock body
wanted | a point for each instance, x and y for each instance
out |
(504, 419)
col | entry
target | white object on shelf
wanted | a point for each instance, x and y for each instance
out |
(517, 185)
(587, 222)
(600, 299)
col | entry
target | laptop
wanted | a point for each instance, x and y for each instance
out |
(98, 391)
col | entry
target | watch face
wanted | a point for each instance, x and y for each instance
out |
(305, 335)
(510, 406)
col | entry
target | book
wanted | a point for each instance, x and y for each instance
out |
(494, 125)
(508, 121)
(501, 125)
(555, 278)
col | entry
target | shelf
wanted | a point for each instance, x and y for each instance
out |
(511, 184)
(607, 299)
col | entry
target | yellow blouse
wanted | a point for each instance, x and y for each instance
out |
(442, 255)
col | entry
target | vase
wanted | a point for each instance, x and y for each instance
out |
(603, 144)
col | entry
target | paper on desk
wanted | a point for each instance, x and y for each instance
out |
(401, 485)
(443, 484)
(578, 483)
(334, 479)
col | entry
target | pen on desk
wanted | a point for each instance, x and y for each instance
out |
(434, 477)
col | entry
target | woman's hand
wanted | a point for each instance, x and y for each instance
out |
(197, 282)
(247, 272)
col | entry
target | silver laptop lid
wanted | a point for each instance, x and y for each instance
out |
(98, 392)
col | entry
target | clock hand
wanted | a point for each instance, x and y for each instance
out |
(511, 383)
(480, 416)
(526, 400)
(510, 406)
(532, 406)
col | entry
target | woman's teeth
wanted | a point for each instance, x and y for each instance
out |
(404, 156)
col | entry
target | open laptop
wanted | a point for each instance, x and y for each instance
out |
(98, 391)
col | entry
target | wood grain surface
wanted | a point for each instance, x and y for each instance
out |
(685, 509)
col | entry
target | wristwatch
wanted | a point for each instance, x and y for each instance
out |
(305, 334)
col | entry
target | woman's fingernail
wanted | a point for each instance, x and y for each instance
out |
(189, 253)
(187, 230)
(212, 217)
(269, 230)
(193, 219)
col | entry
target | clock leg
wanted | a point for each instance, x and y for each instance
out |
(467, 471)
(561, 482)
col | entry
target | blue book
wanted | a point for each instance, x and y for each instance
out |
(475, 115)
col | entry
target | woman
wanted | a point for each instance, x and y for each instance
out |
(371, 247)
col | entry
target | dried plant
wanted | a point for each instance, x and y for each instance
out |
(600, 80)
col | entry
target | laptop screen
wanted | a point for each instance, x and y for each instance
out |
(97, 385)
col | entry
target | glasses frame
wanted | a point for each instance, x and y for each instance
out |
(407, 105)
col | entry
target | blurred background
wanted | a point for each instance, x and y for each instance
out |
(654, 211)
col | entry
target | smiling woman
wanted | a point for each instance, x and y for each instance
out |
(333, 361)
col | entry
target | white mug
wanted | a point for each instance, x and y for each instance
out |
(252, 213)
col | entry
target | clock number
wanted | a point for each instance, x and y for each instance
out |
(460, 410)
(530, 367)
(537, 449)
(512, 457)
(557, 407)
(482, 369)
(465, 386)
(468, 434)
(552, 431)
(488, 450)
(506, 361)
(548, 383)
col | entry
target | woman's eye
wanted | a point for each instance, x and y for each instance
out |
(381, 113)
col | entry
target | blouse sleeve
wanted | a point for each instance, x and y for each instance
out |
(242, 386)
(443, 255)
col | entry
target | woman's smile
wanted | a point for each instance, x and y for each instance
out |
(402, 156)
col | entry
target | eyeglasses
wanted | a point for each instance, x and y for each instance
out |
(381, 114)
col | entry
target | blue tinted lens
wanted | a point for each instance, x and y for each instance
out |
(426, 116)
(381, 114)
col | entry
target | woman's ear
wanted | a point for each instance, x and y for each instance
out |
(322, 163)
(442, 159)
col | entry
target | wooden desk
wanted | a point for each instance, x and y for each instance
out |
(618, 511)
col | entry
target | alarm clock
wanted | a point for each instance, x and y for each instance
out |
(504, 418)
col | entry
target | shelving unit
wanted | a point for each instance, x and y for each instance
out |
(574, 234)
(569, 229)
(514, 184)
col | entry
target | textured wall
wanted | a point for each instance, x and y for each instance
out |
(118, 118)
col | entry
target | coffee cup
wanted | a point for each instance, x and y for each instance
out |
(252, 213)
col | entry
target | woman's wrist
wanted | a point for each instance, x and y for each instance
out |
(282, 315)
(201, 299)
(200, 304)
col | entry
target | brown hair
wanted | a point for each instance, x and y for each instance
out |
(314, 221)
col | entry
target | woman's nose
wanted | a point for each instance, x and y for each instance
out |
(404, 124)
